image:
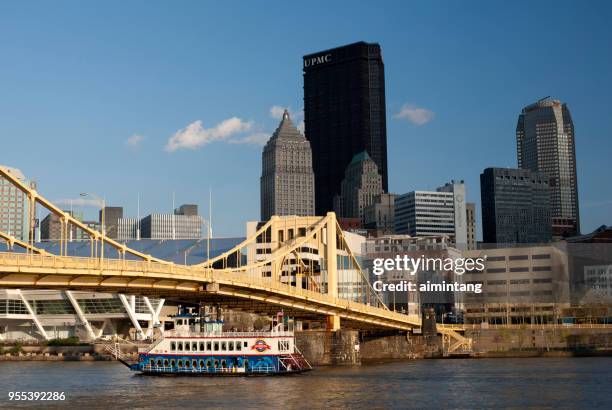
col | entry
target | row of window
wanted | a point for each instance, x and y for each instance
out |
(217, 346)
(187, 364)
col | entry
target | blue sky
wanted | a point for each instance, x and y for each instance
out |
(91, 95)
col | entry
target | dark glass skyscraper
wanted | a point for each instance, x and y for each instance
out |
(515, 206)
(344, 111)
(545, 143)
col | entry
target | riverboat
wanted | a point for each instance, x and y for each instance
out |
(199, 346)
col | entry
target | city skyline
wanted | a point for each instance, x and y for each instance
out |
(134, 106)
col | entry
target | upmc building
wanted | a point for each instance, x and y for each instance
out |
(344, 112)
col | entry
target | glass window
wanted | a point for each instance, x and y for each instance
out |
(194, 346)
(180, 346)
(238, 346)
(173, 346)
(209, 346)
(224, 346)
(216, 346)
(201, 346)
(187, 346)
(230, 346)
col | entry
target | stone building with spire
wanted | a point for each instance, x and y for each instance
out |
(360, 185)
(287, 178)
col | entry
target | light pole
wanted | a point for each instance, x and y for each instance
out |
(208, 235)
(102, 203)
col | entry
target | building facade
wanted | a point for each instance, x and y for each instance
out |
(344, 113)
(515, 206)
(379, 215)
(35, 315)
(433, 213)
(470, 217)
(13, 206)
(520, 285)
(412, 303)
(545, 143)
(171, 226)
(287, 178)
(112, 214)
(128, 229)
(360, 185)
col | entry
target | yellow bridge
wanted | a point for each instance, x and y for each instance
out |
(260, 286)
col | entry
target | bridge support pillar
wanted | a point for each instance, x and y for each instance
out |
(333, 323)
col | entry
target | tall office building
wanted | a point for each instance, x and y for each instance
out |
(434, 213)
(344, 112)
(360, 185)
(515, 206)
(287, 179)
(13, 206)
(545, 143)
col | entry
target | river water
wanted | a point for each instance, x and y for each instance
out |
(459, 383)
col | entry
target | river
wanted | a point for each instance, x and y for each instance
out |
(458, 383)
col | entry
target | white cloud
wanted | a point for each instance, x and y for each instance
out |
(134, 141)
(78, 202)
(195, 135)
(415, 115)
(259, 138)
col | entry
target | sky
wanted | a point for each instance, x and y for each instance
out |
(149, 99)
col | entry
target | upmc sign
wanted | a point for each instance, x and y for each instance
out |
(312, 61)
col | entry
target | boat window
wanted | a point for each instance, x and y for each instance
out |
(216, 364)
(173, 346)
(216, 346)
(209, 346)
(201, 363)
(230, 346)
(187, 364)
(283, 345)
(180, 363)
(194, 346)
(238, 345)
(159, 362)
(194, 363)
(245, 344)
(223, 363)
(180, 346)
(201, 346)
(187, 346)
(172, 363)
(208, 363)
(165, 363)
(224, 346)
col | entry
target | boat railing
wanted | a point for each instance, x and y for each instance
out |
(175, 369)
(173, 333)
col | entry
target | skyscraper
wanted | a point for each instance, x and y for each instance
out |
(434, 213)
(360, 185)
(287, 179)
(515, 206)
(545, 143)
(344, 112)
